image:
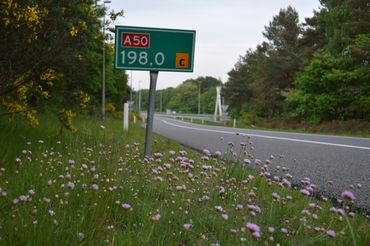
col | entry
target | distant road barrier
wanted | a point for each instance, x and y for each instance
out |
(200, 117)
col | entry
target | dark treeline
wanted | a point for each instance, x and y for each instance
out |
(313, 71)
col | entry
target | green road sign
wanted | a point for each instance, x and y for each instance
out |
(154, 49)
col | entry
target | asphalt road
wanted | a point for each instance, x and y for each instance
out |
(343, 160)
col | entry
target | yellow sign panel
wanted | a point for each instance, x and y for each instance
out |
(182, 60)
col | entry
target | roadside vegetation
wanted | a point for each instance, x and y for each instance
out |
(93, 187)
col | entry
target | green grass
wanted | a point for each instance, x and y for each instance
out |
(177, 186)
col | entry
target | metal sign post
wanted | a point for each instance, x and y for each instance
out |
(154, 50)
(150, 113)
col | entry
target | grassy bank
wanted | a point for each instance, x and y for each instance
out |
(94, 188)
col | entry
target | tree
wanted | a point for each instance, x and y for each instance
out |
(343, 21)
(184, 97)
(50, 50)
(260, 79)
(333, 87)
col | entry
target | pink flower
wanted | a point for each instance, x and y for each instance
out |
(156, 217)
(217, 154)
(172, 152)
(187, 226)
(94, 186)
(225, 217)
(206, 152)
(256, 235)
(305, 192)
(71, 162)
(348, 195)
(219, 208)
(23, 198)
(126, 206)
(247, 161)
(275, 196)
(253, 227)
(70, 185)
(331, 233)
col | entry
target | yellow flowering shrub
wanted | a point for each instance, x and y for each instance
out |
(73, 31)
(20, 108)
(82, 98)
(49, 75)
(15, 15)
(66, 117)
(110, 107)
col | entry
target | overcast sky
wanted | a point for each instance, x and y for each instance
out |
(225, 29)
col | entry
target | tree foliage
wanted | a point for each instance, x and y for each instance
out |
(315, 71)
(51, 54)
(185, 97)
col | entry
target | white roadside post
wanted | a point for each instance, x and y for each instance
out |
(125, 116)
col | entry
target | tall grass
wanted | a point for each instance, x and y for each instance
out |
(94, 188)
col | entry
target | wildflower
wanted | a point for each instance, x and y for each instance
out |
(158, 155)
(126, 206)
(51, 212)
(275, 196)
(31, 192)
(219, 208)
(81, 236)
(253, 227)
(71, 185)
(348, 195)
(222, 190)
(22, 198)
(71, 162)
(284, 230)
(155, 217)
(217, 154)
(15, 201)
(225, 216)
(305, 192)
(187, 226)
(233, 231)
(18, 160)
(256, 235)
(247, 161)
(172, 152)
(331, 233)
(271, 229)
(102, 127)
(94, 186)
(206, 152)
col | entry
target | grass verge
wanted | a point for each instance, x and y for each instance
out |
(94, 188)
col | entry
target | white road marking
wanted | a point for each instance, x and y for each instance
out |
(268, 137)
